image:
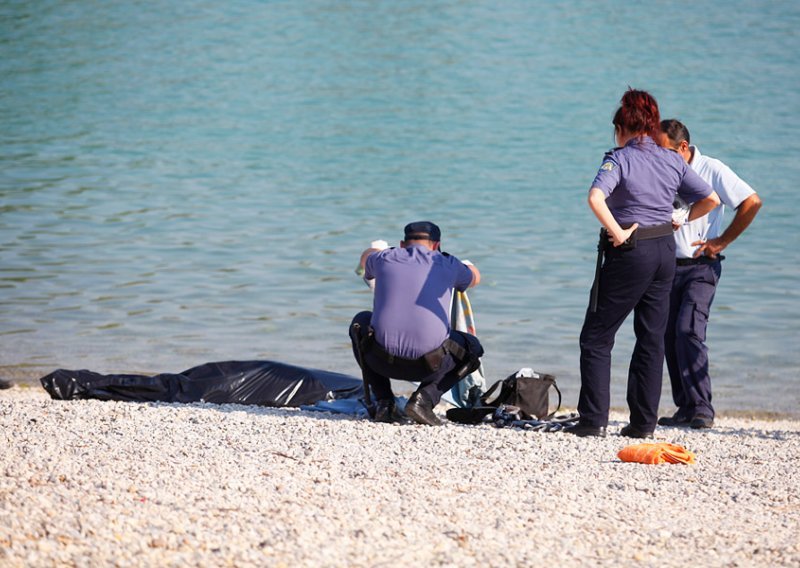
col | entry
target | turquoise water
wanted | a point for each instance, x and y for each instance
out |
(194, 181)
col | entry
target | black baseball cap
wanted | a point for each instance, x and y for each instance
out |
(419, 230)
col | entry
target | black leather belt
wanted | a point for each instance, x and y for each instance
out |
(698, 260)
(655, 232)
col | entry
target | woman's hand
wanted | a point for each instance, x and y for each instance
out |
(622, 236)
(616, 234)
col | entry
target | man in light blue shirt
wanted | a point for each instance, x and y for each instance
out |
(698, 247)
(407, 336)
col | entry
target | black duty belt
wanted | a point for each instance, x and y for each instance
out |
(655, 232)
(424, 365)
(640, 234)
(698, 260)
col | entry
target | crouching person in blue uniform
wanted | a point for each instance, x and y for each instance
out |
(632, 197)
(407, 336)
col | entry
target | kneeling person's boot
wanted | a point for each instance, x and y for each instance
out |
(384, 411)
(420, 409)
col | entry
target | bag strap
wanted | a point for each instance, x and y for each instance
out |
(485, 396)
(506, 390)
(553, 384)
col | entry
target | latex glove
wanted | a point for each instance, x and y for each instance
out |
(380, 244)
(680, 211)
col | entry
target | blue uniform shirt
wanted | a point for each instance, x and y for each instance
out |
(640, 180)
(413, 288)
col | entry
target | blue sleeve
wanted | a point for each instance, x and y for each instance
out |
(608, 176)
(369, 265)
(463, 275)
(693, 188)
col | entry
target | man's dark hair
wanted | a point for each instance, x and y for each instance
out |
(675, 131)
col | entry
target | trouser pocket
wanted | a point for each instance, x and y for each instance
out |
(699, 322)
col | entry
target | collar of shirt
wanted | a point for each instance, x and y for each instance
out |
(641, 141)
(695, 154)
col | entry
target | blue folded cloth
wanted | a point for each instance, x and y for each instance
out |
(350, 406)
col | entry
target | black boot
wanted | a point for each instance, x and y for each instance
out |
(586, 430)
(631, 431)
(384, 410)
(420, 409)
(677, 419)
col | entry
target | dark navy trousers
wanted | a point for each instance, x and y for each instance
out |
(692, 293)
(377, 372)
(637, 281)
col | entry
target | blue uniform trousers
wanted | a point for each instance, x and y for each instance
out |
(637, 280)
(692, 293)
(377, 372)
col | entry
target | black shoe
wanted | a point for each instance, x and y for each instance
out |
(631, 431)
(420, 409)
(702, 422)
(585, 430)
(384, 411)
(474, 415)
(4, 384)
(676, 419)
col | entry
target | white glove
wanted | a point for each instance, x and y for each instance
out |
(680, 211)
(379, 244)
(467, 262)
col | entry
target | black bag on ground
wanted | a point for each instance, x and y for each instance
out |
(526, 389)
(263, 383)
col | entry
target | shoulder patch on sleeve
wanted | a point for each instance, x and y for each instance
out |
(609, 162)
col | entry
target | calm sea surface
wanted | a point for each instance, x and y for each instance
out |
(183, 182)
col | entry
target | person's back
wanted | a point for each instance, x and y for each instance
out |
(646, 177)
(412, 298)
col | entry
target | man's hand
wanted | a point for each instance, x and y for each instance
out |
(745, 214)
(710, 248)
(476, 274)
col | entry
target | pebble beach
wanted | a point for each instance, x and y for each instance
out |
(92, 483)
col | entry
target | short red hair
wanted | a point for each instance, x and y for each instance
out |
(638, 114)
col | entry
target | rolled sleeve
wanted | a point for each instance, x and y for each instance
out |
(732, 189)
(463, 276)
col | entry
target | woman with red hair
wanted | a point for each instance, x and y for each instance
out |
(632, 197)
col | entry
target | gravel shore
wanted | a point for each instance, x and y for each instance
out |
(91, 483)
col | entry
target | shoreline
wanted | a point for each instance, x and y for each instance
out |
(27, 377)
(107, 482)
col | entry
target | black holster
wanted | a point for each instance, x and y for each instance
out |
(601, 247)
